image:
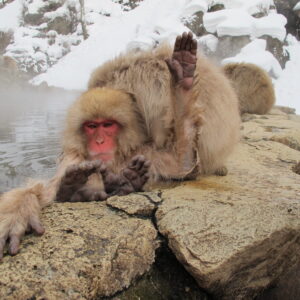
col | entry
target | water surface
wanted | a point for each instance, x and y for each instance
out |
(31, 121)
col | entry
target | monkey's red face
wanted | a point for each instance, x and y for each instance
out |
(101, 137)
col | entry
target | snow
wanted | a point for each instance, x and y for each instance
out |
(237, 22)
(297, 6)
(255, 53)
(113, 30)
(109, 36)
(9, 16)
(287, 87)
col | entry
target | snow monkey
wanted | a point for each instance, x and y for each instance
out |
(253, 86)
(168, 107)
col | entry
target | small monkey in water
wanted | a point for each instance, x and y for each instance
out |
(170, 108)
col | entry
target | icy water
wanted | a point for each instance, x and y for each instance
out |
(31, 120)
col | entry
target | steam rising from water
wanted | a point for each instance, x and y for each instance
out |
(31, 120)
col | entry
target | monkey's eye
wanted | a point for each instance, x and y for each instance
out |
(107, 124)
(91, 125)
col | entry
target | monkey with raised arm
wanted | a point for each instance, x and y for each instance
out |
(170, 108)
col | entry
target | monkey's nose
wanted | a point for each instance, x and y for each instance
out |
(99, 140)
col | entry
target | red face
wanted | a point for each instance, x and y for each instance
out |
(101, 138)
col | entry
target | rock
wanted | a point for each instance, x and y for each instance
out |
(296, 168)
(285, 109)
(276, 47)
(6, 38)
(285, 7)
(240, 233)
(229, 46)
(135, 204)
(195, 24)
(88, 251)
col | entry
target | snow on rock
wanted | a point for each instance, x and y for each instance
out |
(297, 6)
(287, 87)
(272, 24)
(238, 22)
(9, 16)
(144, 26)
(209, 41)
(255, 53)
(194, 6)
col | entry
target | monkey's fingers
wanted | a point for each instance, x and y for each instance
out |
(36, 225)
(177, 43)
(194, 47)
(14, 243)
(184, 39)
(2, 245)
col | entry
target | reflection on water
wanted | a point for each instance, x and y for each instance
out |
(30, 125)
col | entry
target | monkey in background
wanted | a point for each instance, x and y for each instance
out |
(170, 108)
(253, 86)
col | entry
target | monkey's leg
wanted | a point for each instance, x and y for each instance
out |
(182, 66)
(74, 179)
(131, 179)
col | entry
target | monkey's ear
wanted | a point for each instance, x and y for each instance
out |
(132, 96)
(100, 83)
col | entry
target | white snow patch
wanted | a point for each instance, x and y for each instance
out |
(297, 6)
(9, 16)
(238, 22)
(287, 87)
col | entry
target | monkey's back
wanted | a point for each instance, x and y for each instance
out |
(253, 86)
(146, 75)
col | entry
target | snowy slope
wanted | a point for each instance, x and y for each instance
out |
(113, 30)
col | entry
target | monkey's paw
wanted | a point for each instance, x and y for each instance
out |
(131, 179)
(14, 222)
(75, 178)
(182, 65)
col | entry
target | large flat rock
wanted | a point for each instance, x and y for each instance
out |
(88, 251)
(238, 234)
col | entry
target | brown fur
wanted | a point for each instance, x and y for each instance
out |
(182, 135)
(253, 86)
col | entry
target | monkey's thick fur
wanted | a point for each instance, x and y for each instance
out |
(253, 86)
(183, 135)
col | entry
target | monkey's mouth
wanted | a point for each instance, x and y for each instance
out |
(103, 156)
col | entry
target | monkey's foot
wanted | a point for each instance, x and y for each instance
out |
(137, 172)
(75, 178)
(222, 171)
(88, 194)
(131, 179)
(182, 65)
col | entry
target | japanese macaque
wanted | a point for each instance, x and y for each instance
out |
(168, 107)
(253, 86)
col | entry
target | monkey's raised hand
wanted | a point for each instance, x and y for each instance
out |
(71, 185)
(131, 179)
(19, 212)
(182, 65)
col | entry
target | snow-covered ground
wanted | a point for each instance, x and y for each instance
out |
(113, 30)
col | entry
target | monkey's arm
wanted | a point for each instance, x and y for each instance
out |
(20, 208)
(182, 66)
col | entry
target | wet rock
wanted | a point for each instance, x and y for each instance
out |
(240, 233)
(88, 251)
